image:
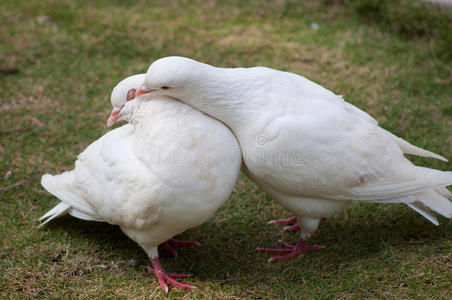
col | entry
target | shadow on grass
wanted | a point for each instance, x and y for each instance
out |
(228, 256)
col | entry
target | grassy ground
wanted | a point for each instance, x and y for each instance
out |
(70, 55)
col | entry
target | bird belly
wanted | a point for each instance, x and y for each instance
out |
(304, 206)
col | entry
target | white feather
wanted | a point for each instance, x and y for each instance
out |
(58, 211)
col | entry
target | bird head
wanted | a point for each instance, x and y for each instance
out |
(168, 76)
(122, 96)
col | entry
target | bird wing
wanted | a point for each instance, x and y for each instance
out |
(115, 183)
(341, 155)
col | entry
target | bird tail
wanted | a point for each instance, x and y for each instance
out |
(414, 150)
(422, 189)
(60, 210)
(61, 186)
(438, 200)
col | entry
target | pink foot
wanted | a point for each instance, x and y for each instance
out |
(165, 278)
(171, 243)
(289, 251)
(294, 227)
(292, 222)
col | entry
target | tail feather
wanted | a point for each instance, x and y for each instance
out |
(424, 211)
(61, 186)
(59, 210)
(79, 215)
(436, 201)
(401, 185)
(422, 189)
(414, 150)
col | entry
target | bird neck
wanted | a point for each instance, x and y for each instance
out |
(135, 114)
(227, 95)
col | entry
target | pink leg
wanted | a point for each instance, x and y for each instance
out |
(174, 275)
(171, 243)
(164, 277)
(289, 251)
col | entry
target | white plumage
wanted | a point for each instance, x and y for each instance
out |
(305, 146)
(167, 171)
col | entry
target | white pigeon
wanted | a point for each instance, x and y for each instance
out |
(306, 147)
(168, 170)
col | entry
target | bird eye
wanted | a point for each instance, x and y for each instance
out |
(131, 94)
(165, 87)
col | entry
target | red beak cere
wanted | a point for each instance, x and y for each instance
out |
(114, 116)
(143, 91)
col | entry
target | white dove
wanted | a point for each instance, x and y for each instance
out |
(306, 147)
(168, 170)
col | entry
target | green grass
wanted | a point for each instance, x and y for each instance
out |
(379, 59)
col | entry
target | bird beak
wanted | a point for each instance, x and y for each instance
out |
(143, 90)
(114, 116)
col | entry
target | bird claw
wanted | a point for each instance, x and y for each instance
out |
(291, 222)
(285, 245)
(165, 278)
(289, 251)
(169, 248)
(171, 243)
(294, 227)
